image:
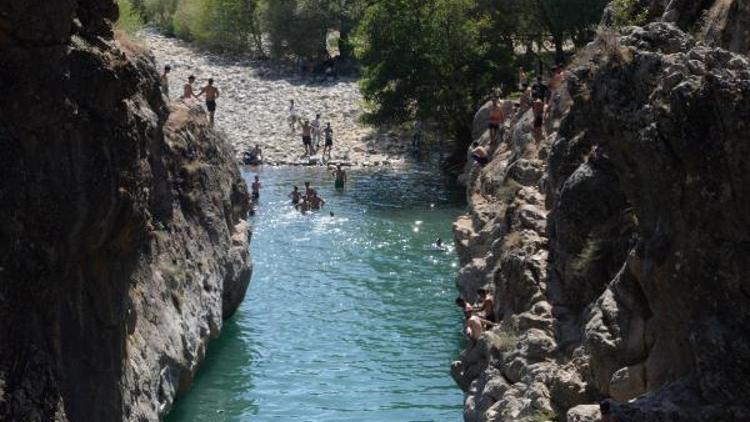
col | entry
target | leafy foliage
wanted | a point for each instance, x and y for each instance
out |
(129, 21)
(628, 13)
(429, 60)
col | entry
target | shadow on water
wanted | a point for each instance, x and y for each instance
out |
(347, 317)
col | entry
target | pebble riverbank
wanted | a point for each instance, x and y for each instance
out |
(252, 108)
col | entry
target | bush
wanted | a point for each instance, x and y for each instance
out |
(129, 21)
(629, 13)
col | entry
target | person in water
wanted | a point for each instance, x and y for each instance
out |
(295, 196)
(340, 176)
(328, 133)
(212, 93)
(308, 190)
(306, 138)
(164, 81)
(315, 201)
(497, 119)
(256, 188)
(439, 243)
(187, 89)
(487, 305)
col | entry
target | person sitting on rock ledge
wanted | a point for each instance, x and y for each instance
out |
(487, 305)
(479, 154)
(497, 120)
(466, 308)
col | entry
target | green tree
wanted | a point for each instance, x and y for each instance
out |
(573, 20)
(432, 60)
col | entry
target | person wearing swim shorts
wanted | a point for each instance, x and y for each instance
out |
(328, 133)
(497, 119)
(212, 93)
(340, 176)
(306, 138)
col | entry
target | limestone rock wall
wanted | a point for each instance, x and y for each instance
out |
(123, 239)
(617, 247)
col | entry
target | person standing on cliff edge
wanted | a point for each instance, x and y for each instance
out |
(164, 81)
(212, 93)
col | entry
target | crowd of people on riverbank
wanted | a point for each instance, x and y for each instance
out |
(311, 131)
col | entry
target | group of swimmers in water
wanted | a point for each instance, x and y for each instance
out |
(309, 200)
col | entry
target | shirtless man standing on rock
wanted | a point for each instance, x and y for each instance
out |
(212, 93)
(187, 90)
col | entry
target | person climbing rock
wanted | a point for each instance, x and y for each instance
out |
(212, 93)
(497, 120)
(256, 188)
(487, 305)
(340, 177)
(473, 328)
(164, 81)
(187, 89)
(306, 138)
(328, 133)
(316, 131)
(295, 196)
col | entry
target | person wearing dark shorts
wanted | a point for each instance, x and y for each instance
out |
(307, 138)
(328, 132)
(212, 93)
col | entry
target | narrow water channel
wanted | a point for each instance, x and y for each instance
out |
(347, 318)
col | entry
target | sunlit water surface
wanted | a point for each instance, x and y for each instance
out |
(347, 318)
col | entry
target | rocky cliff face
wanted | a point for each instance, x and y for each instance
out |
(122, 234)
(617, 247)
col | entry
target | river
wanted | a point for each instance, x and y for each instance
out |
(347, 318)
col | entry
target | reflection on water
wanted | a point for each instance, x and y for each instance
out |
(348, 318)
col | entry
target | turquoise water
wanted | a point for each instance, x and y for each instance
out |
(347, 318)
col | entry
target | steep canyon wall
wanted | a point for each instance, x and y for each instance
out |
(123, 240)
(617, 247)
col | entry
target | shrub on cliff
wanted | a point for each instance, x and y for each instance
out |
(129, 21)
